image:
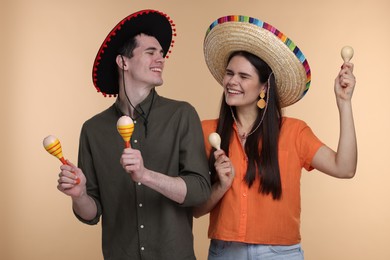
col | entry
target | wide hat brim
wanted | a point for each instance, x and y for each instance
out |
(151, 22)
(242, 33)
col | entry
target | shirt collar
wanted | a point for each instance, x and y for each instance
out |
(142, 109)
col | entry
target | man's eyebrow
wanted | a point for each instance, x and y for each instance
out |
(151, 49)
(154, 49)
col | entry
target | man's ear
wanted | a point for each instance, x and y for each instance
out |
(120, 61)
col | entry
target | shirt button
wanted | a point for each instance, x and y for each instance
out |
(244, 194)
(135, 121)
(139, 184)
(135, 141)
(142, 226)
(140, 205)
(142, 248)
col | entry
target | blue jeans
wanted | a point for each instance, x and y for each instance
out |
(226, 250)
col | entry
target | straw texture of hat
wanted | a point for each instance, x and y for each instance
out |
(243, 33)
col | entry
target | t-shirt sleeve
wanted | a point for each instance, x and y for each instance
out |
(208, 127)
(308, 145)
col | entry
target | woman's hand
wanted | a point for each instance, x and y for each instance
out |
(224, 169)
(344, 84)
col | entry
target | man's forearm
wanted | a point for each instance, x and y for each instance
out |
(173, 188)
(84, 206)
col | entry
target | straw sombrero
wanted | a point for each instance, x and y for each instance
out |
(151, 22)
(236, 32)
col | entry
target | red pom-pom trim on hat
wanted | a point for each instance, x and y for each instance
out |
(114, 32)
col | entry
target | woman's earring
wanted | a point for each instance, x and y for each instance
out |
(261, 103)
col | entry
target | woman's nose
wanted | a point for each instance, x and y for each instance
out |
(233, 80)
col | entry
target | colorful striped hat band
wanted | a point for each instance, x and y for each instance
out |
(242, 33)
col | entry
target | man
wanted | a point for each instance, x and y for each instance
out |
(145, 193)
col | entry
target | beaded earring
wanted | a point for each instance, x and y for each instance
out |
(261, 103)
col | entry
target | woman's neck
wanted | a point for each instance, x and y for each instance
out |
(245, 118)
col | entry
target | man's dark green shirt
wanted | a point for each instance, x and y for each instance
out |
(138, 222)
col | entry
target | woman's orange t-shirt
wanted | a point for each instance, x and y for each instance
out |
(244, 214)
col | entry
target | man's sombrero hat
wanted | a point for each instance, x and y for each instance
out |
(236, 32)
(151, 22)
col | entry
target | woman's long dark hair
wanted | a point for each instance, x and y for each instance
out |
(261, 147)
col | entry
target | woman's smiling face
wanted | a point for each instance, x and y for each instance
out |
(241, 83)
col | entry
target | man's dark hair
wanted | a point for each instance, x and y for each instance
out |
(129, 46)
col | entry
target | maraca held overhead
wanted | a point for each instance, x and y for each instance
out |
(347, 53)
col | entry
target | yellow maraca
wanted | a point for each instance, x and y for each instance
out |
(125, 128)
(215, 140)
(53, 146)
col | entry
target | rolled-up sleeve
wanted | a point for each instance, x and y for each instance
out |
(193, 160)
(85, 163)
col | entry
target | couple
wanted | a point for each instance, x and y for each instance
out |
(148, 194)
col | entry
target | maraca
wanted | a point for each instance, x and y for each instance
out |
(53, 146)
(125, 128)
(347, 53)
(215, 140)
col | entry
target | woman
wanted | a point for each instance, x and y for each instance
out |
(255, 202)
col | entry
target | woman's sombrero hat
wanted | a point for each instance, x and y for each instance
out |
(151, 22)
(242, 33)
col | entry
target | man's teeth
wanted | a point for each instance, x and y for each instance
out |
(156, 69)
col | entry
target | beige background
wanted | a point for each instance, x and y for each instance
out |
(47, 49)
